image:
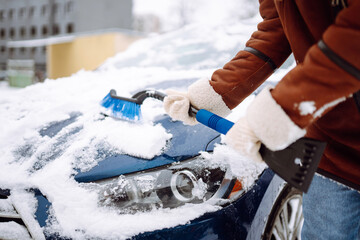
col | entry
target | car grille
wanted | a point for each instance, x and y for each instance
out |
(11, 224)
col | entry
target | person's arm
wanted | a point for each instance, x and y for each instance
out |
(329, 74)
(265, 51)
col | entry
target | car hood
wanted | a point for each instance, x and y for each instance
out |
(186, 142)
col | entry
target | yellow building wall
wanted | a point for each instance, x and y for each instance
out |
(84, 52)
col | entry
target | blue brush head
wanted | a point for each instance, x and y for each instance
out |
(121, 109)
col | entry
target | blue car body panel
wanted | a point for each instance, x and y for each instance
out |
(41, 213)
(186, 142)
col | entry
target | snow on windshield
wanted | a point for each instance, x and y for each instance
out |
(32, 156)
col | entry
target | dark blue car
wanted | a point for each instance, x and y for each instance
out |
(269, 209)
(126, 184)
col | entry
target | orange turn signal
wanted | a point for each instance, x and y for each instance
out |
(237, 187)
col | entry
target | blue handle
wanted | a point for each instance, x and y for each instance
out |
(213, 121)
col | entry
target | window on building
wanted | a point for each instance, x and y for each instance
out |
(11, 13)
(43, 10)
(11, 52)
(44, 50)
(31, 12)
(12, 32)
(22, 12)
(70, 28)
(69, 6)
(2, 33)
(33, 31)
(56, 29)
(33, 51)
(2, 15)
(22, 32)
(3, 49)
(54, 8)
(22, 50)
(44, 30)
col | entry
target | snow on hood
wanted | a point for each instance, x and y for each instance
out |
(26, 112)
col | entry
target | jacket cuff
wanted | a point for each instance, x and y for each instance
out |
(270, 123)
(203, 96)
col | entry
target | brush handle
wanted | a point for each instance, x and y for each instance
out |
(141, 96)
(221, 125)
(213, 121)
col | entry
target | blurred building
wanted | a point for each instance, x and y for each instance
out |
(35, 30)
(147, 23)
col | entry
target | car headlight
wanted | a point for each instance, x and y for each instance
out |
(191, 181)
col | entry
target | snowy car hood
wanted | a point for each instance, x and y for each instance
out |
(186, 142)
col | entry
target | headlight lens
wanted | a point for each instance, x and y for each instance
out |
(192, 181)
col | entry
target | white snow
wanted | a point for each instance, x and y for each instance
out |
(321, 110)
(159, 62)
(174, 14)
(13, 230)
(26, 207)
(245, 169)
(307, 107)
(6, 207)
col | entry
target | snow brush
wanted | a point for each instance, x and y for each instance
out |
(296, 164)
(127, 108)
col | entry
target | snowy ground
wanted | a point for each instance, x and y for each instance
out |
(172, 60)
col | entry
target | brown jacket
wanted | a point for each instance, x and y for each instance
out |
(326, 47)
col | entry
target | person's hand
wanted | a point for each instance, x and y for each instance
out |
(265, 122)
(200, 95)
(243, 139)
(177, 105)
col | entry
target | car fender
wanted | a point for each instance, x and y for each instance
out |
(273, 191)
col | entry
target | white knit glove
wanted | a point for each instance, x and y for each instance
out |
(265, 122)
(242, 138)
(200, 95)
(177, 105)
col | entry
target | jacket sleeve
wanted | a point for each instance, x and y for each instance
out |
(266, 50)
(329, 74)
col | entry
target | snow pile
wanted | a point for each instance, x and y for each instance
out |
(26, 207)
(8, 229)
(193, 48)
(245, 169)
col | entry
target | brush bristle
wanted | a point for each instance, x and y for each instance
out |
(121, 109)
